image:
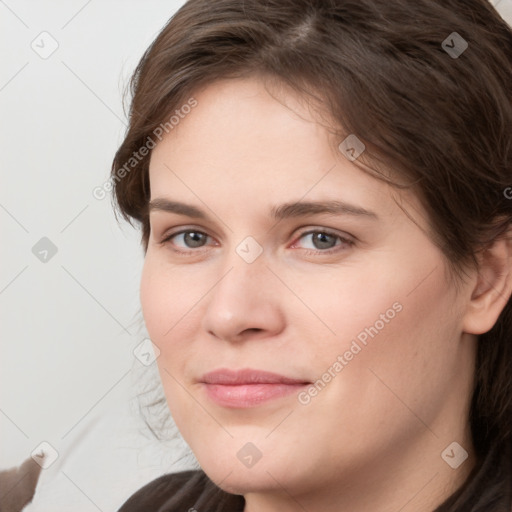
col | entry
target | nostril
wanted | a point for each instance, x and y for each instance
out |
(253, 329)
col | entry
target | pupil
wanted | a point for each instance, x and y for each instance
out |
(193, 239)
(319, 240)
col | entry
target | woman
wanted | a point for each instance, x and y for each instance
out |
(323, 189)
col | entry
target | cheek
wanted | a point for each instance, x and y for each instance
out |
(424, 336)
(401, 325)
(408, 363)
(168, 297)
(343, 305)
(155, 296)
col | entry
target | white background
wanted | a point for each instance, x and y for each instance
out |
(68, 326)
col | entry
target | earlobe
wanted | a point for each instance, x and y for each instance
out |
(493, 287)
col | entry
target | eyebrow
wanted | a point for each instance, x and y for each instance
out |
(283, 211)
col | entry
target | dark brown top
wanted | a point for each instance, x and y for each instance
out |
(185, 491)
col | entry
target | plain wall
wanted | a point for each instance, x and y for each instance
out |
(68, 325)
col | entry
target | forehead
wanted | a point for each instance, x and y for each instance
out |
(242, 119)
(247, 145)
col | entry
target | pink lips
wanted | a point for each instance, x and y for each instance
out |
(247, 388)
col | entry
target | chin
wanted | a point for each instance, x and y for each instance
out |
(243, 481)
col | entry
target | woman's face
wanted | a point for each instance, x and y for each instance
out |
(353, 299)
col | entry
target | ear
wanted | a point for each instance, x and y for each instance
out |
(493, 286)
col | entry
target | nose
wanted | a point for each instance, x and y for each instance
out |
(245, 303)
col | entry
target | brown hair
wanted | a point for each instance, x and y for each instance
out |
(384, 70)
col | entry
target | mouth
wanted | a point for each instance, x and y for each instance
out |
(248, 388)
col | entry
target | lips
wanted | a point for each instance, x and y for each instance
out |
(247, 376)
(248, 387)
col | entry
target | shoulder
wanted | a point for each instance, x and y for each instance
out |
(183, 491)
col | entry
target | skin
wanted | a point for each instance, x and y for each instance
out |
(372, 438)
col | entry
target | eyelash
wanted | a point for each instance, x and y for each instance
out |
(344, 241)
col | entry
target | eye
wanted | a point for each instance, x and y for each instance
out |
(321, 241)
(324, 241)
(187, 239)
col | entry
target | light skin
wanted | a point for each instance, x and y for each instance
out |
(372, 438)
